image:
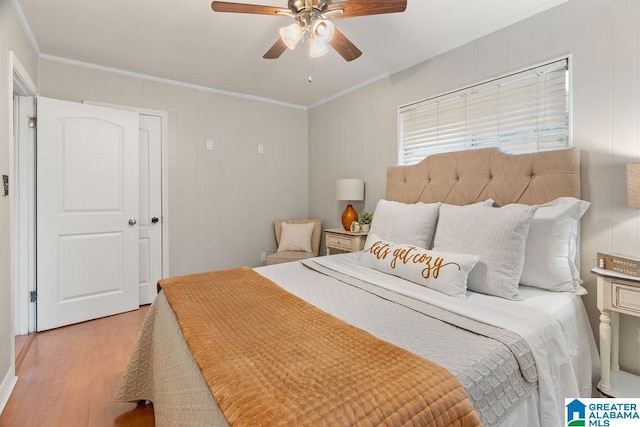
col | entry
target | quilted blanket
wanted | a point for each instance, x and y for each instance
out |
(270, 358)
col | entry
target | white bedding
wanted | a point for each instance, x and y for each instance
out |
(553, 323)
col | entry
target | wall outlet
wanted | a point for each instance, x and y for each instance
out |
(263, 256)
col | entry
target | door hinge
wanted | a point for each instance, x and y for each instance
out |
(33, 122)
(33, 296)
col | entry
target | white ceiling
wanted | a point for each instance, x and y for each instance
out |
(185, 41)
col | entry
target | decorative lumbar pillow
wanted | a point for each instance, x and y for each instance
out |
(412, 224)
(295, 237)
(552, 246)
(497, 235)
(444, 272)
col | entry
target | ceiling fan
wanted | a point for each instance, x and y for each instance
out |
(312, 22)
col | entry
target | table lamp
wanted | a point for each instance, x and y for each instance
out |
(633, 185)
(349, 190)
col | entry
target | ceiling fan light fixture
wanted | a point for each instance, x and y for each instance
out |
(317, 48)
(291, 35)
(322, 30)
(313, 24)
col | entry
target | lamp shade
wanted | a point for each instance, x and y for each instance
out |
(633, 185)
(349, 189)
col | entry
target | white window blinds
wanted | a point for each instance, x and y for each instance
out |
(522, 112)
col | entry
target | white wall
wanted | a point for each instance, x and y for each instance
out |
(21, 47)
(222, 203)
(6, 335)
(12, 38)
(603, 37)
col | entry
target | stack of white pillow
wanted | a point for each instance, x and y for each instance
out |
(485, 249)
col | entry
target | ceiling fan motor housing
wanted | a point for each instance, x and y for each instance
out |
(296, 5)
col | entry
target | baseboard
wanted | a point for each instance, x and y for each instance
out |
(6, 387)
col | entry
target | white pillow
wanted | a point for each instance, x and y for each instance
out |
(444, 272)
(296, 237)
(497, 235)
(552, 246)
(412, 224)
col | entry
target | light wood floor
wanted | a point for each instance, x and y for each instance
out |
(69, 375)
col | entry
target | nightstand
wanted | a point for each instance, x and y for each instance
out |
(617, 293)
(341, 239)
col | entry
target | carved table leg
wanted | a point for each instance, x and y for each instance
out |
(615, 340)
(605, 351)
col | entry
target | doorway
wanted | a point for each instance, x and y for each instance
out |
(22, 199)
(25, 283)
(99, 217)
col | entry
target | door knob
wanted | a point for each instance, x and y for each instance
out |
(132, 221)
(154, 219)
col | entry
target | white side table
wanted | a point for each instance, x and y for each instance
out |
(617, 293)
(347, 241)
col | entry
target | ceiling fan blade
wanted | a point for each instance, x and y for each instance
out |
(224, 6)
(276, 50)
(344, 46)
(353, 8)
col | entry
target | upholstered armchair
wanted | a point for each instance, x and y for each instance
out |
(296, 239)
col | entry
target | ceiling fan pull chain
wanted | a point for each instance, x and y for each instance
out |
(310, 71)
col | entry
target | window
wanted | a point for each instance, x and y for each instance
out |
(526, 111)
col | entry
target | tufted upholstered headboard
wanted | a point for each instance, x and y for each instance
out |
(465, 177)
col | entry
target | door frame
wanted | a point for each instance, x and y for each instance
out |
(164, 119)
(22, 163)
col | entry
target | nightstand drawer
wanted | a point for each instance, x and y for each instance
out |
(338, 242)
(342, 240)
(625, 298)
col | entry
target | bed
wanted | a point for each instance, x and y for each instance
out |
(517, 352)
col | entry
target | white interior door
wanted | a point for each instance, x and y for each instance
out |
(87, 210)
(150, 214)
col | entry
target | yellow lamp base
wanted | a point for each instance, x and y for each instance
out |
(348, 216)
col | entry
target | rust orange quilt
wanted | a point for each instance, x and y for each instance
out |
(270, 358)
